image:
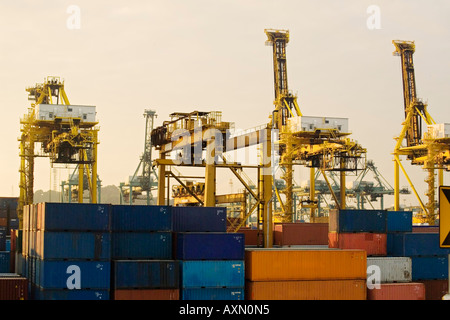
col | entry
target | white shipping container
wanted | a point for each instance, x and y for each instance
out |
(439, 131)
(391, 269)
(49, 112)
(311, 124)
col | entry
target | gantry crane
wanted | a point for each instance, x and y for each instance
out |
(430, 149)
(67, 134)
(317, 142)
(148, 178)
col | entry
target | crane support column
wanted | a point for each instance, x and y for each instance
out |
(161, 181)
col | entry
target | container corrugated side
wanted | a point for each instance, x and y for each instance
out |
(199, 219)
(212, 294)
(399, 221)
(286, 234)
(390, 269)
(73, 245)
(411, 244)
(142, 245)
(375, 244)
(146, 294)
(58, 294)
(141, 218)
(298, 264)
(145, 274)
(357, 221)
(58, 274)
(351, 289)
(5, 261)
(13, 288)
(2, 238)
(209, 246)
(212, 273)
(72, 217)
(435, 289)
(397, 291)
(429, 268)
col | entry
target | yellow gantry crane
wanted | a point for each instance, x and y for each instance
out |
(317, 142)
(428, 149)
(67, 134)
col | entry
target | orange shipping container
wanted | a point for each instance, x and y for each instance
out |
(375, 244)
(304, 264)
(286, 234)
(306, 290)
(397, 291)
(146, 294)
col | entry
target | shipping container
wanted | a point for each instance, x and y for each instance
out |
(253, 237)
(2, 238)
(141, 218)
(302, 264)
(425, 229)
(429, 268)
(435, 289)
(13, 287)
(209, 246)
(399, 221)
(389, 269)
(286, 234)
(73, 245)
(5, 261)
(373, 243)
(145, 274)
(146, 294)
(65, 274)
(212, 273)
(212, 294)
(397, 291)
(415, 244)
(357, 221)
(72, 217)
(351, 289)
(142, 245)
(65, 294)
(199, 219)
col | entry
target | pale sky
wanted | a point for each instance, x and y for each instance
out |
(186, 55)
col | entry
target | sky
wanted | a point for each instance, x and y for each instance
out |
(185, 55)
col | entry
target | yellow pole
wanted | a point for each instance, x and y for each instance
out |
(210, 175)
(397, 185)
(312, 191)
(342, 206)
(161, 181)
(266, 177)
(94, 169)
(80, 179)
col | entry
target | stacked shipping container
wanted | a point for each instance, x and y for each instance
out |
(143, 268)
(211, 260)
(289, 234)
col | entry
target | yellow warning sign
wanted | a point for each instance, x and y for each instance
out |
(444, 216)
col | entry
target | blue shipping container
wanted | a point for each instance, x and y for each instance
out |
(212, 273)
(212, 294)
(144, 274)
(199, 219)
(358, 221)
(2, 238)
(73, 216)
(141, 218)
(73, 245)
(5, 257)
(429, 268)
(210, 246)
(55, 294)
(412, 244)
(141, 245)
(399, 221)
(67, 274)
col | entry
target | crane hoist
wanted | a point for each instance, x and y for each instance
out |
(428, 149)
(317, 142)
(67, 133)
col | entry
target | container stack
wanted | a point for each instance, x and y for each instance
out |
(143, 268)
(291, 234)
(67, 251)
(305, 274)
(211, 260)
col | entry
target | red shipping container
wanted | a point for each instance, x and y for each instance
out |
(146, 294)
(286, 234)
(375, 244)
(397, 291)
(435, 289)
(425, 229)
(251, 236)
(13, 287)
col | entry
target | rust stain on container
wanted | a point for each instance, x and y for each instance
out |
(375, 244)
(306, 290)
(308, 264)
(397, 291)
(301, 234)
(146, 294)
